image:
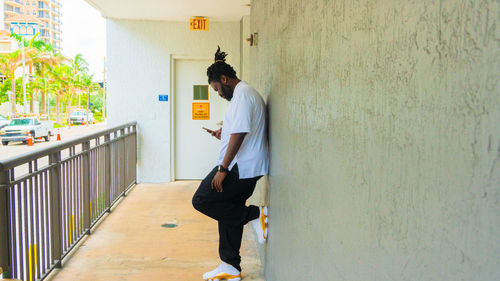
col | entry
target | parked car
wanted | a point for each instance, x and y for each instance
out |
(20, 128)
(3, 121)
(80, 117)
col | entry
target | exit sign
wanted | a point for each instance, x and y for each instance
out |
(198, 24)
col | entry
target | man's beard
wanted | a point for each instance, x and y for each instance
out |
(227, 92)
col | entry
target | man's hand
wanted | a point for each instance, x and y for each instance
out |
(217, 133)
(217, 181)
(214, 133)
(232, 148)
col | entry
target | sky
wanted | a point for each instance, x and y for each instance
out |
(84, 32)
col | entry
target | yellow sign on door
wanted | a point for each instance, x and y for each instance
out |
(201, 111)
(198, 23)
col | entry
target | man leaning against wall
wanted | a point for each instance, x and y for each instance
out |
(243, 160)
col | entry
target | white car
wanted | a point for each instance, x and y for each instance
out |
(3, 121)
(19, 129)
(80, 117)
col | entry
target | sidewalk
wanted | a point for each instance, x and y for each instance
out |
(131, 244)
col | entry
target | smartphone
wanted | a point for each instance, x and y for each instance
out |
(208, 130)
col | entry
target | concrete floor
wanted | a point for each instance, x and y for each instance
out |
(131, 244)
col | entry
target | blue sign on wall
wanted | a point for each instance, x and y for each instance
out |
(163, 97)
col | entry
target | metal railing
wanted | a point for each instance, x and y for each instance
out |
(66, 189)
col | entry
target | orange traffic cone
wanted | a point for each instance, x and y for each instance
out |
(30, 140)
(58, 134)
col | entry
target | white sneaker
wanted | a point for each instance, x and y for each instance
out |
(260, 225)
(225, 272)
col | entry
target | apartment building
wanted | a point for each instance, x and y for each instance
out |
(46, 14)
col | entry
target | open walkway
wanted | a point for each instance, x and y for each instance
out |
(131, 244)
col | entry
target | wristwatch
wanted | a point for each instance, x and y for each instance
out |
(221, 169)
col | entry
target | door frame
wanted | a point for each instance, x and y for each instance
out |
(173, 59)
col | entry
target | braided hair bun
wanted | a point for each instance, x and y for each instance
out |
(220, 56)
(220, 67)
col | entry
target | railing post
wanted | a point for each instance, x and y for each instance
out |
(86, 186)
(122, 164)
(4, 222)
(134, 145)
(107, 172)
(55, 210)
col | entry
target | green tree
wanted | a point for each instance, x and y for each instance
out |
(79, 76)
(44, 59)
(8, 64)
(60, 83)
(50, 72)
(30, 50)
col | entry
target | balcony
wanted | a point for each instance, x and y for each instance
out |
(55, 3)
(43, 7)
(10, 13)
(14, 3)
(131, 241)
(44, 16)
(54, 196)
(78, 215)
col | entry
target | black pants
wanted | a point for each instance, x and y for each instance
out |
(228, 208)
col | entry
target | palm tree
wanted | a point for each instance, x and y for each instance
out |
(51, 73)
(35, 86)
(80, 68)
(60, 83)
(45, 58)
(30, 53)
(88, 86)
(8, 64)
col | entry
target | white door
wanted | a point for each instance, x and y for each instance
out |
(196, 151)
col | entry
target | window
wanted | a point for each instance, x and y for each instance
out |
(200, 92)
(21, 122)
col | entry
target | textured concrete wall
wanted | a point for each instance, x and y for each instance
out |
(138, 64)
(245, 49)
(385, 138)
(259, 196)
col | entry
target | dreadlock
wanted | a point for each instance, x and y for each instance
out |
(220, 67)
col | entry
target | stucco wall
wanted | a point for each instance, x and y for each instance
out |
(385, 138)
(138, 65)
(245, 49)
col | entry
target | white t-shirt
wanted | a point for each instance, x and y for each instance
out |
(246, 114)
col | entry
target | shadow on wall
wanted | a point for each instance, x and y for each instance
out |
(261, 195)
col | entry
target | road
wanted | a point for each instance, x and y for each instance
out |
(67, 133)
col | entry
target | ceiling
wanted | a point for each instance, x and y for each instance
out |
(173, 10)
